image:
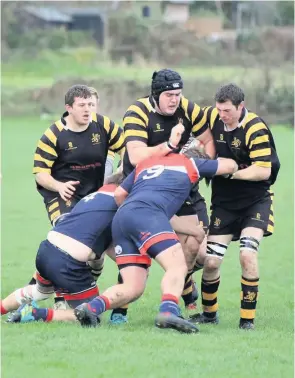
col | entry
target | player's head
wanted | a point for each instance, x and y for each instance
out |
(229, 103)
(115, 178)
(166, 90)
(79, 105)
(194, 152)
(95, 99)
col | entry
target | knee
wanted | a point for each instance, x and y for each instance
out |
(135, 287)
(211, 264)
(247, 259)
(136, 291)
(192, 246)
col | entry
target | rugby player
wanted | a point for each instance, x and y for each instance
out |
(141, 231)
(242, 204)
(63, 259)
(147, 126)
(69, 161)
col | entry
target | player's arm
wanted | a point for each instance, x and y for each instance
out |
(44, 158)
(124, 189)
(183, 226)
(136, 137)
(115, 135)
(258, 143)
(200, 128)
(217, 167)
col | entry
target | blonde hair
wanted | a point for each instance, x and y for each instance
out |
(93, 92)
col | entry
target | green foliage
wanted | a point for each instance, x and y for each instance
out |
(54, 39)
(281, 101)
(285, 12)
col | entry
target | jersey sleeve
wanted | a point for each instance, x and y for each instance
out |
(196, 115)
(135, 123)
(211, 114)
(46, 151)
(115, 134)
(206, 167)
(128, 182)
(258, 143)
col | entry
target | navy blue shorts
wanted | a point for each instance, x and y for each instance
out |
(141, 233)
(70, 278)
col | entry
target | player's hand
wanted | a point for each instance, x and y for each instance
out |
(176, 134)
(67, 189)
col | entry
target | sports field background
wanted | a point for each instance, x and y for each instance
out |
(138, 349)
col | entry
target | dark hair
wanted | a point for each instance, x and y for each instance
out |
(194, 152)
(165, 80)
(230, 92)
(115, 178)
(78, 90)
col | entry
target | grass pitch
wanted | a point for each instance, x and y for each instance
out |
(138, 349)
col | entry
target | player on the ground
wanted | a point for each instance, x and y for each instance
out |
(147, 126)
(63, 259)
(242, 204)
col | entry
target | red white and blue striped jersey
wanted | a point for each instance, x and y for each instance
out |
(90, 220)
(165, 182)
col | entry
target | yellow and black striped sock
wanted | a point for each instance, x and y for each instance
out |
(187, 294)
(249, 295)
(209, 296)
(123, 309)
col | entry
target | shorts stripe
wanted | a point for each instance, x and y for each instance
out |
(54, 215)
(53, 206)
(133, 260)
(84, 295)
(156, 239)
(42, 280)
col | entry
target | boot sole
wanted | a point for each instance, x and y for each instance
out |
(173, 322)
(85, 319)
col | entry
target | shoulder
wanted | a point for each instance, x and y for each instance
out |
(141, 107)
(253, 122)
(53, 132)
(211, 114)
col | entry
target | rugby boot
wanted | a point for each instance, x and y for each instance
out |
(85, 316)
(168, 320)
(201, 318)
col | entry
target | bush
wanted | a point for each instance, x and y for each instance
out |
(54, 39)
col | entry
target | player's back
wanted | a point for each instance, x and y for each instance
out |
(163, 182)
(91, 218)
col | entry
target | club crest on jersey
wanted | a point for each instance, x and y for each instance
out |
(95, 139)
(236, 143)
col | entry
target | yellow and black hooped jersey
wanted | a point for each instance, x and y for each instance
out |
(142, 123)
(78, 156)
(250, 143)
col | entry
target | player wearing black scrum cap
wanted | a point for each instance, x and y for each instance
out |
(148, 123)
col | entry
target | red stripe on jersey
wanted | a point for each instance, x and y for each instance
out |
(122, 260)
(86, 294)
(157, 239)
(108, 188)
(171, 160)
